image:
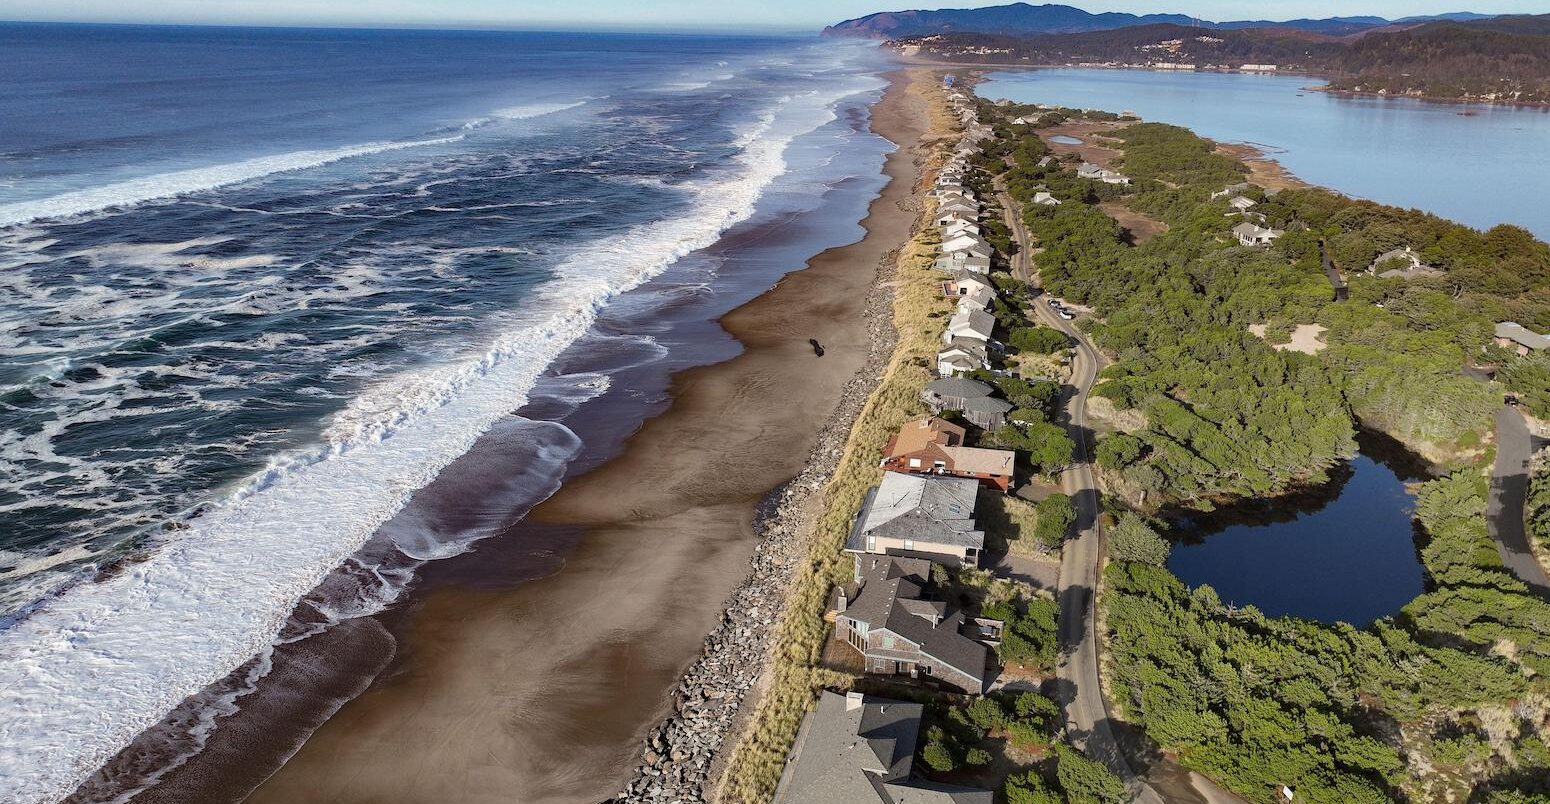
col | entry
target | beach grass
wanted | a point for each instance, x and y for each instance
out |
(755, 766)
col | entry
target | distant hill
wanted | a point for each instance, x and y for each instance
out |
(1023, 19)
(1497, 59)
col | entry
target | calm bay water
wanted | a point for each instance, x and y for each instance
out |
(1481, 169)
(1344, 551)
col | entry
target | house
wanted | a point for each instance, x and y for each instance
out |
(962, 356)
(919, 516)
(958, 203)
(886, 616)
(1516, 337)
(978, 298)
(967, 322)
(860, 749)
(957, 263)
(1045, 160)
(933, 446)
(1241, 203)
(971, 398)
(1043, 197)
(956, 228)
(1231, 190)
(947, 218)
(1404, 264)
(967, 244)
(1089, 170)
(965, 283)
(1250, 234)
(943, 190)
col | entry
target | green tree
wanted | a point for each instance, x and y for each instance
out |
(1117, 451)
(1132, 539)
(1085, 780)
(1040, 340)
(1029, 788)
(1044, 445)
(1055, 515)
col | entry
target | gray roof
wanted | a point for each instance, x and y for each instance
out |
(958, 387)
(921, 508)
(1517, 333)
(889, 600)
(985, 404)
(848, 745)
(859, 749)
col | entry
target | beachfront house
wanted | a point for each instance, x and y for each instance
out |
(1231, 190)
(1241, 203)
(887, 617)
(962, 356)
(967, 244)
(1250, 234)
(933, 446)
(960, 262)
(958, 203)
(956, 228)
(965, 283)
(971, 398)
(919, 516)
(971, 324)
(948, 217)
(978, 298)
(860, 749)
(1517, 338)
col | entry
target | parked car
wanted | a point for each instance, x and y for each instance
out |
(1054, 302)
(1065, 314)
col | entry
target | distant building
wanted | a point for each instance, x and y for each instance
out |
(1520, 339)
(1250, 234)
(1406, 265)
(934, 446)
(970, 245)
(1044, 198)
(918, 516)
(976, 325)
(1258, 68)
(959, 262)
(971, 398)
(1240, 203)
(1231, 190)
(967, 284)
(962, 356)
(1088, 170)
(860, 749)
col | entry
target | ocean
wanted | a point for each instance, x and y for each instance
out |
(263, 285)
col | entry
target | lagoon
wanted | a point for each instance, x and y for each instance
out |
(1474, 163)
(1344, 550)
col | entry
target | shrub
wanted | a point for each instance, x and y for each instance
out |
(1131, 539)
(1056, 513)
(1085, 780)
(1042, 340)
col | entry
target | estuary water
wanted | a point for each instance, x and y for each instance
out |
(1477, 164)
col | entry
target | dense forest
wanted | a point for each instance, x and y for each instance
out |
(1505, 58)
(1448, 699)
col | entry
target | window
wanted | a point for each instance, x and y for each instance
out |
(909, 544)
(914, 463)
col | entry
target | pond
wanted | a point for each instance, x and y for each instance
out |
(1344, 550)
(1065, 139)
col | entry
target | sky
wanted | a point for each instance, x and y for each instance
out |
(793, 15)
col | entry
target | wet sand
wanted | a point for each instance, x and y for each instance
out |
(542, 692)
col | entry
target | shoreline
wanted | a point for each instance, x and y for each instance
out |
(531, 689)
(686, 755)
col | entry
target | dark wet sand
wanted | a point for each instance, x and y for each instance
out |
(543, 692)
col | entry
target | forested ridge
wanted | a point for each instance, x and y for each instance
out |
(1446, 700)
(1504, 58)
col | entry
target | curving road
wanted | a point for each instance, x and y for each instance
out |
(1504, 511)
(1079, 690)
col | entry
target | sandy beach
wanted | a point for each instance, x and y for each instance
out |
(543, 692)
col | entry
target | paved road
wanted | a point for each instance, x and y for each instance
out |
(1088, 723)
(1509, 494)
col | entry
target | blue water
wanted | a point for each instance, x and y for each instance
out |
(1343, 552)
(1481, 170)
(262, 285)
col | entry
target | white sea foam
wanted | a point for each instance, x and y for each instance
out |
(102, 662)
(171, 185)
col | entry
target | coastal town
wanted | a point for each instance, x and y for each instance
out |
(942, 670)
